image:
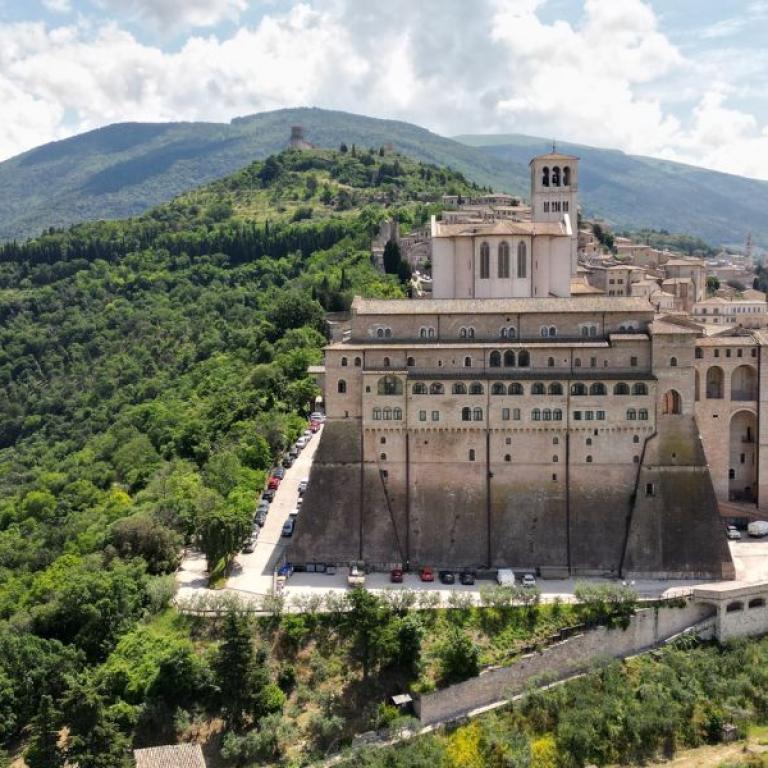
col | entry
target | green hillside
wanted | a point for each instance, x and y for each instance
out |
(634, 192)
(127, 168)
(151, 371)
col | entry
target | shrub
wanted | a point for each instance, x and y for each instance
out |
(458, 656)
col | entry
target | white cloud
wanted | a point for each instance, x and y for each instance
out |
(452, 66)
(177, 13)
(58, 6)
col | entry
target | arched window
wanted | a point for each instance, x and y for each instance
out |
(537, 388)
(485, 261)
(477, 414)
(715, 380)
(471, 332)
(497, 388)
(475, 388)
(577, 363)
(545, 176)
(555, 388)
(397, 414)
(635, 438)
(631, 414)
(511, 332)
(503, 259)
(672, 404)
(567, 176)
(467, 362)
(744, 383)
(463, 333)
(436, 388)
(699, 354)
(423, 332)
(556, 176)
(410, 362)
(509, 359)
(507, 457)
(386, 362)
(522, 260)
(756, 602)
(494, 361)
(382, 456)
(557, 415)
(389, 385)
(640, 389)
(341, 387)
(387, 333)
(621, 388)
(597, 389)
(589, 459)
(550, 362)
(343, 362)
(466, 414)
(459, 388)
(547, 414)
(642, 414)
(380, 333)
(535, 415)
(387, 414)
(419, 389)
(516, 388)
(578, 389)
(377, 414)
(673, 362)
(359, 362)
(431, 332)
(523, 359)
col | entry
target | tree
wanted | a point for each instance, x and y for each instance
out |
(343, 148)
(391, 257)
(712, 284)
(222, 529)
(142, 536)
(43, 749)
(459, 657)
(94, 741)
(369, 622)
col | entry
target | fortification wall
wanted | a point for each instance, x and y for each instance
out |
(577, 654)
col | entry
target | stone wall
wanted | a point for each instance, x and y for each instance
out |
(647, 628)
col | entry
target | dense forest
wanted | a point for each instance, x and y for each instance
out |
(152, 369)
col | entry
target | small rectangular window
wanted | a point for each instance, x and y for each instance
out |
(435, 415)
(649, 490)
(422, 415)
(593, 362)
(600, 415)
(577, 415)
(633, 362)
(743, 458)
(516, 414)
(505, 414)
(588, 415)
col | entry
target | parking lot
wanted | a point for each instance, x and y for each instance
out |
(252, 574)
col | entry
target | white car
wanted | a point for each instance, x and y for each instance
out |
(303, 485)
(528, 580)
(733, 533)
(505, 577)
(317, 416)
(294, 512)
(308, 434)
(302, 442)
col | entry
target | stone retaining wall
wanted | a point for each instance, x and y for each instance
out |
(647, 628)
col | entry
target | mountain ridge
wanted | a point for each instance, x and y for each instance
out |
(126, 168)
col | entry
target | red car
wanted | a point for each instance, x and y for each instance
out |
(396, 576)
(274, 483)
(427, 574)
(314, 426)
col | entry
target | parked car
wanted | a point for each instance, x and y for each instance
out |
(294, 512)
(396, 575)
(302, 442)
(268, 495)
(279, 472)
(505, 577)
(293, 452)
(288, 527)
(758, 529)
(447, 577)
(307, 433)
(288, 461)
(467, 578)
(303, 484)
(733, 533)
(273, 484)
(427, 574)
(529, 580)
(248, 547)
(314, 427)
(260, 518)
(299, 502)
(356, 575)
(317, 416)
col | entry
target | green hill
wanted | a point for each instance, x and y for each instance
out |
(152, 370)
(125, 169)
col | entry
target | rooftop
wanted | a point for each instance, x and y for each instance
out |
(534, 306)
(686, 263)
(503, 227)
(553, 156)
(174, 756)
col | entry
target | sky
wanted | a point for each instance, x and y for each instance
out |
(684, 80)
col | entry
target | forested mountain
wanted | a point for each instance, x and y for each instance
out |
(635, 193)
(124, 169)
(151, 370)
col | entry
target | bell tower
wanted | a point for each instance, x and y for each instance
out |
(554, 193)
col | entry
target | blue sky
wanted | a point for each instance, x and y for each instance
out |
(679, 79)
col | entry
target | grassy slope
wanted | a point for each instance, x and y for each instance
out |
(635, 192)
